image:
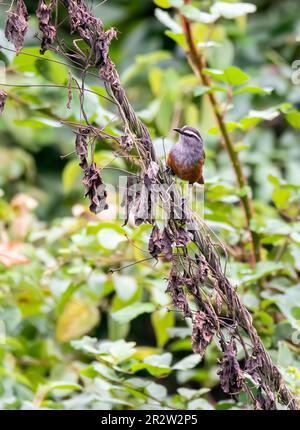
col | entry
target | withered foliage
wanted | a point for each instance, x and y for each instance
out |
(81, 147)
(196, 275)
(231, 375)
(143, 196)
(203, 332)
(162, 242)
(44, 14)
(132, 194)
(176, 289)
(92, 180)
(3, 97)
(126, 142)
(90, 29)
(17, 25)
(95, 189)
(265, 402)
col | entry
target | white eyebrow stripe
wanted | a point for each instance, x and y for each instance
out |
(191, 133)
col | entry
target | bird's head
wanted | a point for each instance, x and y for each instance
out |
(189, 135)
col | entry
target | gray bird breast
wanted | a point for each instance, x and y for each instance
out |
(187, 152)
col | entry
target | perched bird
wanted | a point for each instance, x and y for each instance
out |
(186, 158)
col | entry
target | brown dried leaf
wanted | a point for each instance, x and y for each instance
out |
(174, 288)
(231, 375)
(265, 402)
(17, 25)
(44, 14)
(81, 146)
(101, 46)
(161, 243)
(95, 189)
(202, 271)
(203, 332)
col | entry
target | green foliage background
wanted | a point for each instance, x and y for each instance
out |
(78, 336)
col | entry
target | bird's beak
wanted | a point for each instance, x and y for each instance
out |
(178, 130)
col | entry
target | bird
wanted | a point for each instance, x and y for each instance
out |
(186, 157)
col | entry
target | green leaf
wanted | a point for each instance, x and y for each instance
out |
(230, 125)
(200, 90)
(253, 89)
(130, 312)
(281, 197)
(162, 320)
(70, 175)
(163, 360)
(293, 118)
(247, 122)
(274, 180)
(112, 351)
(155, 80)
(43, 65)
(262, 269)
(156, 371)
(188, 362)
(267, 114)
(156, 365)
(63, 385)
(199, 404)
(165, 4)
(166, 19)
(214, 73)
(235, 76)
(38, 123)
(109, 238)
(240, 146)
(125, 286)
(284, 356)
(163, 120)
(232, 10)
(157, 391)
(190, 394)
(296, 312)
(78, 318)
(179, 38)
(286, 303)
(194, 14)
(255, 116)
(231, 75)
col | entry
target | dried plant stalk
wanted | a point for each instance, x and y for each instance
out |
(197, 274)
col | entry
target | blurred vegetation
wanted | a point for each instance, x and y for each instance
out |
(79, 336)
